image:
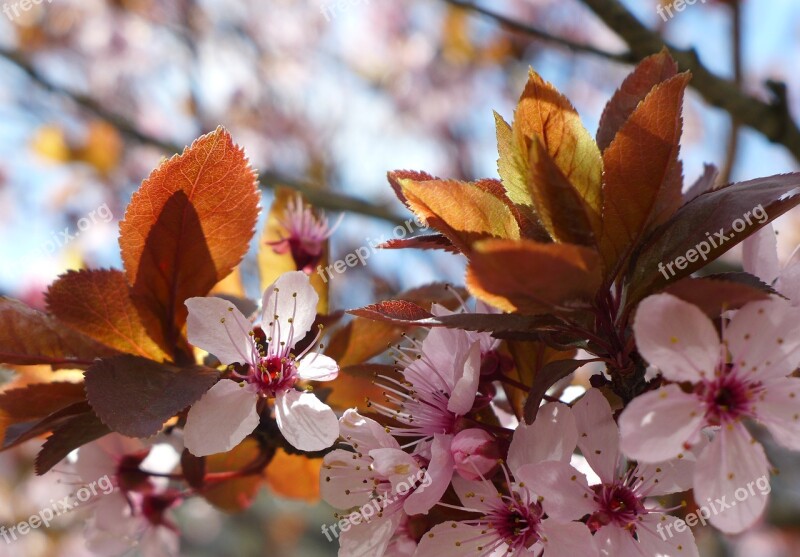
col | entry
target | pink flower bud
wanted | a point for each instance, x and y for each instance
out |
(476, 454)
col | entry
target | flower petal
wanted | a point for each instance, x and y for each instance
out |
(676, 337)
(567, 539)
(671, 476)
(565, 494)
(553, 436)
(466, 385)
(456, 539)
(727, 479)
(615, 541)
(369, 538)
(292, 298)
(476, 496)
(305, 422)
(395, 465)
(655, 425)
(221, 419)
(317, 367)
(764, 339)
(363, 433)
(345, 479)
(760, 254)
(101, 458)
(778, 408)
(598, 434)
(436, 480)
(218, 327)
(662, 542)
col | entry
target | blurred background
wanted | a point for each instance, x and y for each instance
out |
(326, 96)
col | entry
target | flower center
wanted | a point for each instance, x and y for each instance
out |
(728, 398)
(618, 505)
(273, 374)
(518, 523)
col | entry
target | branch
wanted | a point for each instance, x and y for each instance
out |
(772, 120)
(315, 195)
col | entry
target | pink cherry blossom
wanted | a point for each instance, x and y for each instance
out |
(622, 523)
(306, 234)
(760, 258)
(516, 523)
(476, 454)
(227, 413)
(743, 376)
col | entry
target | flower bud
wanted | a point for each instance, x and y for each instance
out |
(476, 454)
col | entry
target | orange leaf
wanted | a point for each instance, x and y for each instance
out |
(294, 476)
(237, 494)
(186, 228)
(529, 357)
(360, 340)
(98, 304)
(642, 172)
(462, 211)
(530, 277)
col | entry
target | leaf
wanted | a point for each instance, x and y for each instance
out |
(426, 241)
(650, 72)
(545, 115)
(271, 264)
(29, 337)
(394, 311)
(357, 383)
(193, 469)
(360, 340)
(546, 377)
(715, 294)
(703, 184)
(303, 471)
(397, 177)
(529, 277)
(238, 494)
(135, 396)
(700, 221)
(464, 212)
(98, 304)
(529, 358)
(642, 172)
(35, 402)
(77, 431)
(185, 229)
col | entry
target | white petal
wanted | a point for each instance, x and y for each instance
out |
(567, 539)
(655, 425)
(657, 541)
(369, 539)
(365, 434)
(395, 465)
(788, 282)
(101, 458)
(552, 436)
(221, 419)
(345, 479)
(778, 408)
(466, 385)
(219, 328)
(733, 467)
(565, 494)
(476, 496)
(305, 422)
(760, 255)
(764, 339)
(317, 367)
(456, 539)
(292, 298)
(614, 541)
(676, 337)
(598, 434)
(671, 476)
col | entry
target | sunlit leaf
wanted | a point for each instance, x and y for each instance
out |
(237, 494)
(303, 473)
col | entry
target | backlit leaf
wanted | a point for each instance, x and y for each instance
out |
(77, 431)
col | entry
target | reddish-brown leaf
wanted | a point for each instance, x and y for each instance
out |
(236, 494)
(715, 294)
(393, 311)
(75, 432)
(529, 277)
(642, 172)
(35, 402)
(185, 229)
(650, 72)
(546, 377)
(529, 358)
(426, 241)
(98, 304)
(29, 337)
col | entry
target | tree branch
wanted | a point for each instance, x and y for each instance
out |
(315, 195)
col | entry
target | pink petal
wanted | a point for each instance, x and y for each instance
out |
(395, 465)
(788, 282)
(566, 495)
(475, 496)
(345, 479)
(672, 476)
(101, 458)
(317, 367)
(221, 419)
(466, 386)
(760, 255)
(657, 541)
(778, 408)
(292, 298)
(369, 538)
(764, 339)
(731, 462)
(363, 433)
(598, 435)
(455, 539)
(217, 327)
(655, 425)
(305, 422)
(552, 436)
(567, 539)
(614, 541)
(677, 338)
(439, 474)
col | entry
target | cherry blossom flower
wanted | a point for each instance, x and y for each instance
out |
(742, 376)
(517, 523)
(622, 523)
(307, 233)
(760, 258)
(227, 413)
(382, 481)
